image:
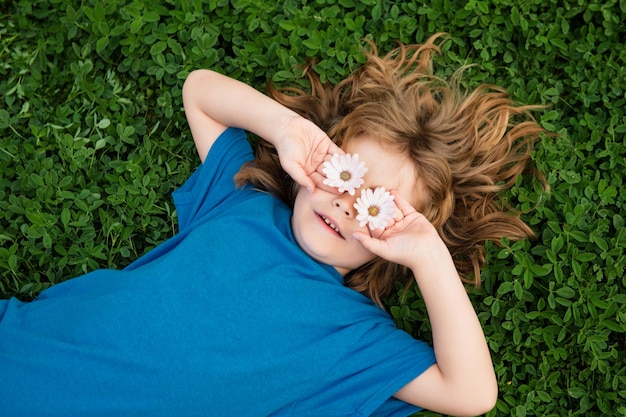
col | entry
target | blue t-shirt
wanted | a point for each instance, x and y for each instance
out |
(227, 318)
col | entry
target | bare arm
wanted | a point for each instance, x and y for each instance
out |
(214, 101)
(462, 382)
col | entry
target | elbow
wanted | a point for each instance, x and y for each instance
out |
(487, 403)
(491, 395)
(481, 401)
(192, 80)
(475, 397)
(484, 395)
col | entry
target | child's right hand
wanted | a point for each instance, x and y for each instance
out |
(302, 148)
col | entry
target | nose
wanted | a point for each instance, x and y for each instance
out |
(345, 203)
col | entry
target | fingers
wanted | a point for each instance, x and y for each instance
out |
(318, 176)
(376, 246)
(333, 149)
(300, 176)
(401, 209)
(318, 179)
(403, 205)
(313, 180)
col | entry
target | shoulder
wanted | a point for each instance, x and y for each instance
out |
(213, 182)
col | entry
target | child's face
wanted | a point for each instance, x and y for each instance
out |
(312, 211)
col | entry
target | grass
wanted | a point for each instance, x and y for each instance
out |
(93, 141)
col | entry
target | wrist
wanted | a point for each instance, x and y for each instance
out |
(434, 261)
(279, 126)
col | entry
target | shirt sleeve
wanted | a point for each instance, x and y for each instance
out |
(212, 182)
(363, 383)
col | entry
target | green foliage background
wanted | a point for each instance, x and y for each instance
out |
(93, 141)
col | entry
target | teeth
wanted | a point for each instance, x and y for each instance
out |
(332, 226)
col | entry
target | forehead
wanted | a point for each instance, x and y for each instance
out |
(385, 167)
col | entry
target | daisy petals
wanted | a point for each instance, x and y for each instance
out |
(349, 166)
(379, 199)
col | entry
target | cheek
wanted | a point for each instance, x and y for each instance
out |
(297, 210)
(362, 257)
(295, 190)
(302, 212)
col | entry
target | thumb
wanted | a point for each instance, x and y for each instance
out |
(376, 246)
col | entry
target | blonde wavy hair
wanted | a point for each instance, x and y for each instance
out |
(467, 147)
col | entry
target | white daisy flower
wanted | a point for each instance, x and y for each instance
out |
(374, 207)
(344, 172)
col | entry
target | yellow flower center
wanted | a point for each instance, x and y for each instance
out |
(345, 175)
(373, 211)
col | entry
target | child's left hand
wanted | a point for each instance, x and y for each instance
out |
(409, 239)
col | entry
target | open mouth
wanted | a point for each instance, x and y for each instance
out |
(331, 225)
